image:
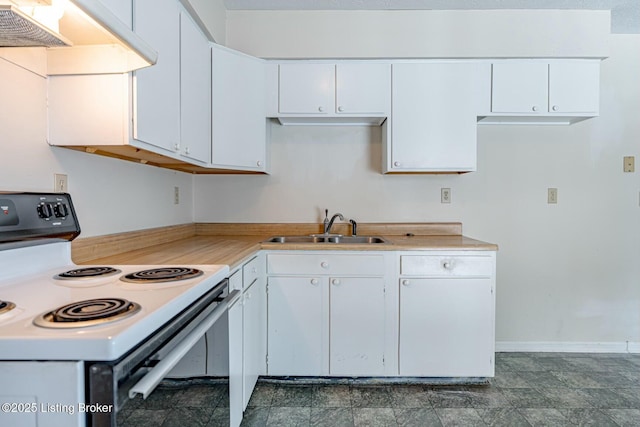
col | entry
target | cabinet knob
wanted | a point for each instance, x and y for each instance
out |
(176, 146)
(247, 295)
(335, 282)
(254, 270)
(314, 281)
(341, 108)
(324, 264)
(447, 265)
(554, 108)
(534, 108)
(259, 163)
(405, 282)
(321, 109)
(186, 150)
(396, 163)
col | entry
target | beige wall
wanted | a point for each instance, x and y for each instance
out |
(110, 195)
(567, 273)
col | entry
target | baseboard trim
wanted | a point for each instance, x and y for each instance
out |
(568, 347)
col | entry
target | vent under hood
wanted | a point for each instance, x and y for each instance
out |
(82, 37)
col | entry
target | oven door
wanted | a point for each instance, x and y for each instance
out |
(140, 371)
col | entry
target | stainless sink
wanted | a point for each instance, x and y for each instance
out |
(319, 238)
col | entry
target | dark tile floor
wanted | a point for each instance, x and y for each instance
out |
(529, 389)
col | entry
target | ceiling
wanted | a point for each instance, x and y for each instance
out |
(625, 14)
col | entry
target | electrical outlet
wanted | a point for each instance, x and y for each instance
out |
(445, 195)
(629, 164)
(552, 195)
(60, 183)
(176, 195)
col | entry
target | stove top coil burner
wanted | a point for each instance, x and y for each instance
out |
(87, 313)
(6, 306)
(163, 274)
(87, 273)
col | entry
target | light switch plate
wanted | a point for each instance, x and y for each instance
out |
(629, 164)
(552, 195)
(60, 183)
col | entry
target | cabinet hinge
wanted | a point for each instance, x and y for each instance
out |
(266, 359)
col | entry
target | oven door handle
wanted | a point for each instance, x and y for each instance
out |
(149, 382)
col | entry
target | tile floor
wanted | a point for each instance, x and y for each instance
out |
(529, 389)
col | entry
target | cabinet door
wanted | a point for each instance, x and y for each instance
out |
(122, 9)
(236, 373)
(574, 87)
(195, 92)
(157, 88)
(363, 88)
(446, 327)
(298, 326)
(239, 124)
(306, 88)
(357, 319)
(519, 87)
(254, 336)
(434, 114)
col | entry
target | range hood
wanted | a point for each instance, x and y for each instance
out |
(80, 36)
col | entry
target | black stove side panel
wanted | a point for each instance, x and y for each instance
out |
(36, 218)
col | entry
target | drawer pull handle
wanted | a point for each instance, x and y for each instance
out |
(314, 281)
(324, 264)
(335, 282)
(406, 282)
(447, 265)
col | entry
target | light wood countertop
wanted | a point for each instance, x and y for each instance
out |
(232, 249)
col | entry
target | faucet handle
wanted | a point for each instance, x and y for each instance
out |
(354, 226)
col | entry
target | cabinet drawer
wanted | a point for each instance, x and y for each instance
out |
(319, 264)
(235, 281)
(446, 266)
(250, 272)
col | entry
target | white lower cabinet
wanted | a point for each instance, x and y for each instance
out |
(447, 315)
(236, 356)
(297, 326)
(357, 323)
(338, 319)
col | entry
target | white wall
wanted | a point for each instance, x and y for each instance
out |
(418, 33)
(566, 273)
(214, 15)
(110, 195)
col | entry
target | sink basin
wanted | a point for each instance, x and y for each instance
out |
(327, 239)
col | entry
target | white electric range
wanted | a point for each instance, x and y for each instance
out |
(77, 341)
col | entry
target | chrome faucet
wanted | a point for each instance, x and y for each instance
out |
(328, 223)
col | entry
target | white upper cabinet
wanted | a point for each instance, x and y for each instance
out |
(195, 92)
(435, 108)
(363, 88)
(574, 87)
(123, 9)
(546, 88)
(520, 87)
(337, 90)
(239, 117)
(157, 88)
(306, 88)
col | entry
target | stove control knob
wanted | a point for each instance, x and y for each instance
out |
(45, 210)
(61, 210)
